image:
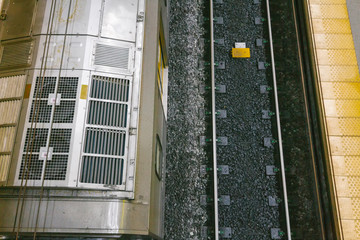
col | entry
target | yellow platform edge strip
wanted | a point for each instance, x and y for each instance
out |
(339, 99)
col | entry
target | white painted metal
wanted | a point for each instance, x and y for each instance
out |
(213, 116)
(288, 228)
(85, 32)
(119, 20)
(84, 17)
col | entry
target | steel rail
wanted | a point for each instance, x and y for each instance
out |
(213, 116)
(288, 228)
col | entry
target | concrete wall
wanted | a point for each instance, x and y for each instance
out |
(354, 15)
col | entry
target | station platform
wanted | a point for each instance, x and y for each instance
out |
(334, 25)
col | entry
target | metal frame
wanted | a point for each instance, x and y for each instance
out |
(51, 73)
(86, 125)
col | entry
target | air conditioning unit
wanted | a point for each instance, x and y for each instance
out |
(81, 100)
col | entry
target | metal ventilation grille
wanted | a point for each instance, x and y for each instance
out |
(112, 56)
(64, 113)
(45, 109)
(34, 166)
(16, 55)
(106, 132)
(42, 113)
(45, 86)
(56, 168)
(68, 87)
(101, 170)
(105, 141)
(60, 140)
(107, 114)
(35, 139)
(106, 88)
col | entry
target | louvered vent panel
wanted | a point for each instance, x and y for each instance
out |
(11, 87)
(105, 141)
(107, 114)
(112, 56)
(7, 137)
(4, 167)
(11, 92)
(16, 54)
(9, 111)
(101, 170)
(106, 132)
(106, 88)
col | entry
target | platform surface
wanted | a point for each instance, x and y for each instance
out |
(334, 29)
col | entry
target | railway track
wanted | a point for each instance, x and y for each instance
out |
(225, 232)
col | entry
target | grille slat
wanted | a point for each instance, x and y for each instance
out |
(102, 86)
(106, 134)
(112, 56)
(107, 114)
(16, 54)
(101, 170)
